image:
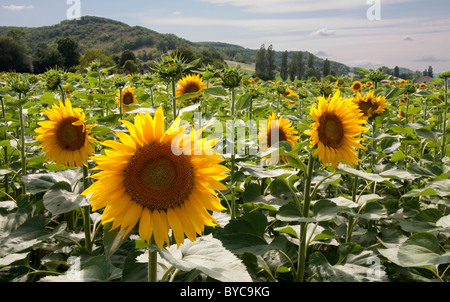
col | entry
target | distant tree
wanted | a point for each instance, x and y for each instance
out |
(284, 68)
(95, 55)
(430, 71)
(13, 56)
(292, 69)
(326, 68)
(396, 71)
(300, 63)
(68, 48)
(310, 61)
(270, 64)
(130, 67)
(127, 55)
(186, 53)
(260, 63)
(45, 59)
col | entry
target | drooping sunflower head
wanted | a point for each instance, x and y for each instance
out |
(159, 180)
(128, 98)
(276, 130)
(357, 86)
(291, 96)
(370, 105)
(190, 84)
(64, 137)
(337, 122)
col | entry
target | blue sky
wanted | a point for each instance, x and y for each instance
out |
(407, 33)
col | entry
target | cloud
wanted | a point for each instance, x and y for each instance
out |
(430, 59)
(407, 38)
(296, 6)
(17, 7)
(177, 13)
(324, 32)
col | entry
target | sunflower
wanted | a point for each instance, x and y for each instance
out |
(369, 105)
(336, 123)
(285, 133)
(290, 93)
(128, 98)
(144, 182)
(357, 86)
(190, 84)
(65, 137)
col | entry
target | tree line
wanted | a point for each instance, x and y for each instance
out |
(294, 65)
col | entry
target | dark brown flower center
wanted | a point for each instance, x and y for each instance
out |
(281, 135)
(331, 130)
(70, 137)
(158, 179)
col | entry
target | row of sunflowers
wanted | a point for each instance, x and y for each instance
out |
(186, 174)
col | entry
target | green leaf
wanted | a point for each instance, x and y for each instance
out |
(359, 173)
(216, 91)
(420, 249)
(325, 210)
(439, 187)
(60, 201)
(291, 213)
(29, 233)
(398, 156)
(244, 101)
(208, 255)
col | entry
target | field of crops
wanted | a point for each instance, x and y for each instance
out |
(338, 180)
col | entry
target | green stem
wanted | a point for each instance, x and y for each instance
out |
(444, 118)
(174, 99)
(351, 218)
(5, 148)
(87, 213)
(233, 162)
(152, 263)
(278, 103)
(303, 226)
(121, 103)
(22, 140)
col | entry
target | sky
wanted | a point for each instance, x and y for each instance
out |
(413, 34)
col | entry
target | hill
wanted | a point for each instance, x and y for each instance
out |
(115, 37)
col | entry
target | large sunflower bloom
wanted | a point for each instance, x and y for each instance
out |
(285, 133)
(128, 98)
(65, 137)
(369, 105)
(190, 84)
(336, 123)
(144, 182)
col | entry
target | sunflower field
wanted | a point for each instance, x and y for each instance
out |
(185, 174)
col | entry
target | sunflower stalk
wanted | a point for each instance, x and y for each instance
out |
(152, 262)
(22, 139)
(444, 118)
(233, 159)
(121, 103)
(302, 249)
(87, 212)
(174, 98)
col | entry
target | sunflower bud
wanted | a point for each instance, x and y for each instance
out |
(170, 68)
(231, 78)
(20, 83)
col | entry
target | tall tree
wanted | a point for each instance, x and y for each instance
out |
(260, 62)
(283, 68)
(68, 48)
(292, 70)
(326, 68)
(430, 71)
(300, 63)
(270, 64)
(13, 56)
(396, 72)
